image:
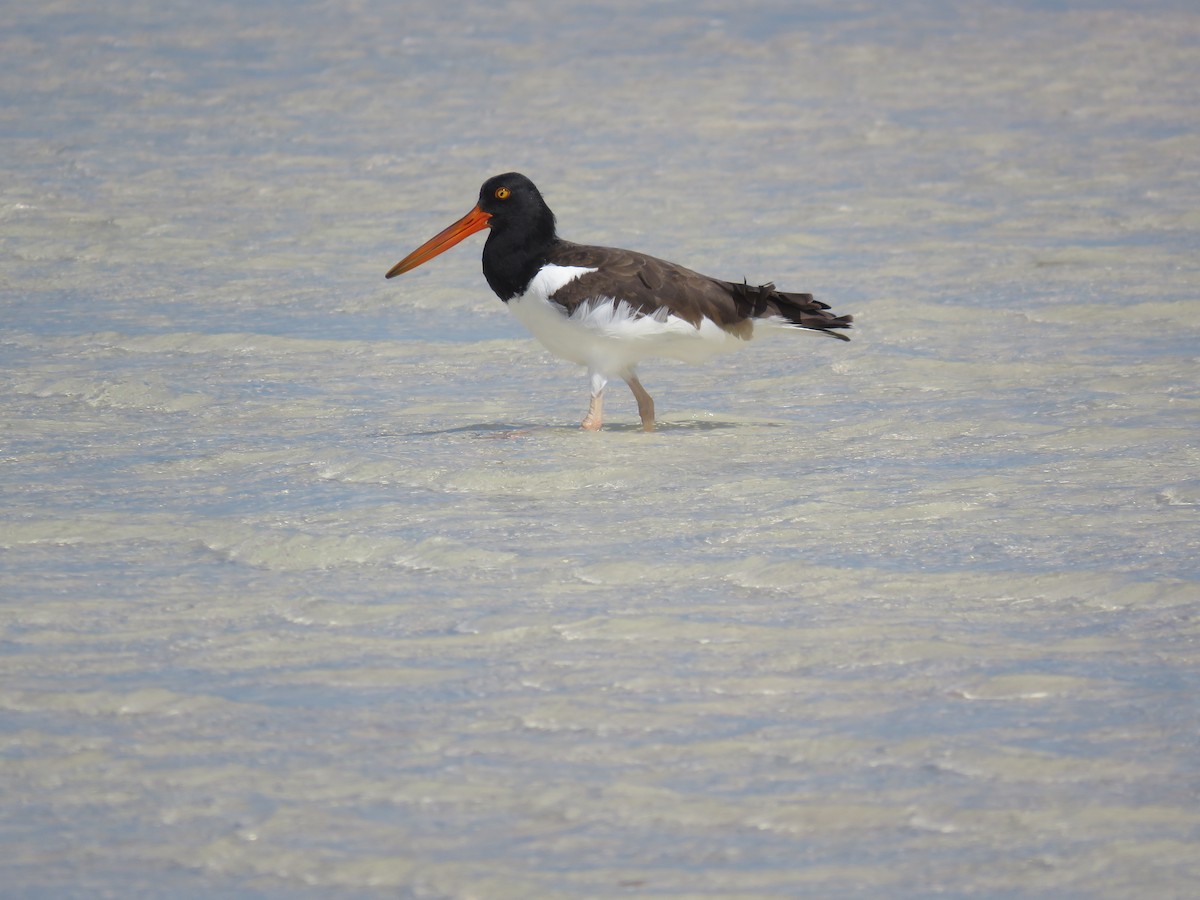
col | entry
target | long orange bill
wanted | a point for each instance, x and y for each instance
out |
(475, 220)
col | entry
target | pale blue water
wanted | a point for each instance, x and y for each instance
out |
(310, 586)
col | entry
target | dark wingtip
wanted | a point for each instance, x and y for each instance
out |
(846, 321)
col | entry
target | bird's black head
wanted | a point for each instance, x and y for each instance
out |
(521, 232)
(514, 202)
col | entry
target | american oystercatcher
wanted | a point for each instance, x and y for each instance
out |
(609, 309)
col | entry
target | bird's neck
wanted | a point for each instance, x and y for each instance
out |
(511, 257)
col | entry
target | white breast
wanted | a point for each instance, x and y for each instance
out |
(607, 335)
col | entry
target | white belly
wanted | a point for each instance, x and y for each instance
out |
(608, 336)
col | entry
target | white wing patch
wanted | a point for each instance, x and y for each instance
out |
(550, 278)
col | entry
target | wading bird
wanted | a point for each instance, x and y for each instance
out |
(609, 309)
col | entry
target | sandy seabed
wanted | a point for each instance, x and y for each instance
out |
(310, 586)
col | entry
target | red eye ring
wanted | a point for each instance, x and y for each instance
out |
(503, 193)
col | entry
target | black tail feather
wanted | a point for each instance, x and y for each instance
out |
(756, 302)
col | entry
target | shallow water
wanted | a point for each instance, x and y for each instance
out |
(312, 587)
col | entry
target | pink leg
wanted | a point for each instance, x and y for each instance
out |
(644, 401)
(595, 416)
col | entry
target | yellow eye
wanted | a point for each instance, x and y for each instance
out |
(503, 193)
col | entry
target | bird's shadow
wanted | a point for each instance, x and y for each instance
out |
(511, 431)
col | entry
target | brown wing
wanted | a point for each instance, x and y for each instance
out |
(649, 284)
(646, 283)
